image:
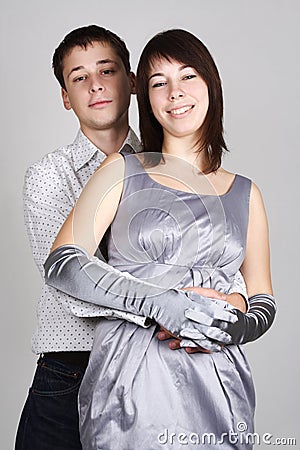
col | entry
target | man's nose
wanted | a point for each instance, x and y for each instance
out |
(96, 85)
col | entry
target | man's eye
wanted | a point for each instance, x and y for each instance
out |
(107, 72)
(81, 78)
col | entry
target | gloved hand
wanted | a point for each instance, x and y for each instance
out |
(249, 326)
(69, 269)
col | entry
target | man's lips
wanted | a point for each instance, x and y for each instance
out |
(180, 110)
(99, 103)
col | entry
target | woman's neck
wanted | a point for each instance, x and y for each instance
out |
(184, 148)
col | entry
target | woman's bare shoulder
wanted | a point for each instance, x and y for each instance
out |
(222, 180)
(113, 164)
(112, 158)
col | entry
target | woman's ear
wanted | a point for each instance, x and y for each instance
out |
(65, 99)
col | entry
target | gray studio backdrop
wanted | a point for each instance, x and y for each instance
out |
(255, 45)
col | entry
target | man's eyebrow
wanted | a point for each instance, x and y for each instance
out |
(98, 63)
(160, 74)
(106, 61)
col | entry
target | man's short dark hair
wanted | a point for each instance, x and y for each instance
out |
(83, 37)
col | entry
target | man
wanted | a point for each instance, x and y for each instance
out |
(93, 69)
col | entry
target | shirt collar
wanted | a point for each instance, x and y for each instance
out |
(83, 149)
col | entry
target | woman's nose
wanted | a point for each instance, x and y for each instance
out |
(176, 93)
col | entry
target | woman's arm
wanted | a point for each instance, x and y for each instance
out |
(256, 265)
(95, 208)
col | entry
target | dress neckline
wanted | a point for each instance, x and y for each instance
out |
(188, 192)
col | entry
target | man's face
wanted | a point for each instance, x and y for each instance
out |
(98, 88)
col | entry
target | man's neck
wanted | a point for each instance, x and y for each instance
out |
(108, 141)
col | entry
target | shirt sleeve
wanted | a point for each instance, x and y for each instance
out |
(45, 208)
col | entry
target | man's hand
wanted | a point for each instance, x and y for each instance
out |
(235, 299)
(206, 292)
(174, 344)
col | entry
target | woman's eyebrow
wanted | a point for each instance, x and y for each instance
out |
(158, 74)
(161, 74)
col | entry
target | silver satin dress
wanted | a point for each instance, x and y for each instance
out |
(137, 393)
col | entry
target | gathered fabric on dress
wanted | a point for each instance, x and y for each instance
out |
(136, 392)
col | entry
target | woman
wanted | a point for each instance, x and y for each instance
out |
(178, 219)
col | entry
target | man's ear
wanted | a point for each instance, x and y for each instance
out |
(65, 99)
(132, 83)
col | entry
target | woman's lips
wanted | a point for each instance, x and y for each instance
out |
(180, 110)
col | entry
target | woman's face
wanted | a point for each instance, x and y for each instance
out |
(178, 97)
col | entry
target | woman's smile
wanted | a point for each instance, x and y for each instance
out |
(180, 110)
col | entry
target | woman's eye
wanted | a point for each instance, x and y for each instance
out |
(189, 77)
(159, 84)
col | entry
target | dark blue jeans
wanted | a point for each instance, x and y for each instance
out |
(49, 419)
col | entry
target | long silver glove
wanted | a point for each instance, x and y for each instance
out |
(69, 269)
(249, 326)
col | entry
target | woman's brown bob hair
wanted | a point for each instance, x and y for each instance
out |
(184, 47)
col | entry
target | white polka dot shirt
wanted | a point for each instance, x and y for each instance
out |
(51, 188)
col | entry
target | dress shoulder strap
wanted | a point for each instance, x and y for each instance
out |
(237, 203)
(135, 177)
